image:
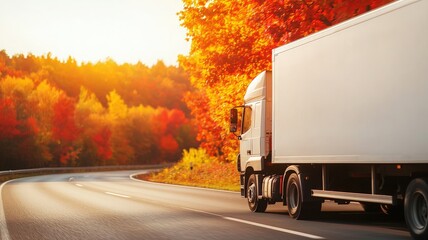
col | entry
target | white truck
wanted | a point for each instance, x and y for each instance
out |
(343, 116)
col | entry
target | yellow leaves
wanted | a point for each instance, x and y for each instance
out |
(41, 100)
(197, 168)
(88, 105)
(44, 96)
(16, 87)
(195, 157)
(117, 108)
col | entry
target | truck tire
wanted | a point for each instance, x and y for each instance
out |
(416, 208)
(296, 207)
(254, 203)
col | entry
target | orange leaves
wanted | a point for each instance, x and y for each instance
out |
(232, 42)
(222, 41)
(287, 21)
(226, 48)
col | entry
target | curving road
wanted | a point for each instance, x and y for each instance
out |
(110, 205)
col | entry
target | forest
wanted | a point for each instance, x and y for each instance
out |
(61, 113)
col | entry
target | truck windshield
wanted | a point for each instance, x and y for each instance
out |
(246, 121)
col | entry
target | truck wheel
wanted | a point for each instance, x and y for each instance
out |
(296, 207)
(416, 208)
(254, 203)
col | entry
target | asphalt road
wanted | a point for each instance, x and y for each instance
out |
(110, 205)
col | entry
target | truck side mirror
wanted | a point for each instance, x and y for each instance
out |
(233, 127)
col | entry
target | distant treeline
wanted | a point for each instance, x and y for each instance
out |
(61, 113)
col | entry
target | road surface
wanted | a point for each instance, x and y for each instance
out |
(110, 205)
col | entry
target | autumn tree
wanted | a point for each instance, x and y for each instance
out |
(101, 140)
(8, 121)
(232, 42)
(18, 129)
(91, 120)
(286, 21)
(41, 101)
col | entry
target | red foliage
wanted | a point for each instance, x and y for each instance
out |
(176, 118)
(64, 126)
(160, 122)
(167, 122)
(68, 155)
(8, 121)
(31, 126)
(209, 132)
(168, 143)
(102, 141)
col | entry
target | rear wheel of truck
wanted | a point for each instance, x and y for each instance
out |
(254, 203)
(416, 208)
(296, 207)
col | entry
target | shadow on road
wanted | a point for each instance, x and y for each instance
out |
(351, 215)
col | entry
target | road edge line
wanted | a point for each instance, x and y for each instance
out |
(4, 232)
(117, 195)
(279, 229)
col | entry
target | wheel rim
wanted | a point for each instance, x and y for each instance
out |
(251, 193)
(293, 197)
(418, 207)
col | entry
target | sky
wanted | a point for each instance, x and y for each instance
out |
(94, 30)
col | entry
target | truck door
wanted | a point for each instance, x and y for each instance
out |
(246, 136)
(256, 136)
(251, 138)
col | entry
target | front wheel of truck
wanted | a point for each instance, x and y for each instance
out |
(297, 208)
(416, 208)
(254, 203)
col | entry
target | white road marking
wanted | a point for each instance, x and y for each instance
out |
(4, 232)
(275, 228)
(200, 211)
(284, 230)
(117, 195)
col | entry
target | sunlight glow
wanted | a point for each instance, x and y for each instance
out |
(92, 30)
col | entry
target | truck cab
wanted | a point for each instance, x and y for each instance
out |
(255, 130)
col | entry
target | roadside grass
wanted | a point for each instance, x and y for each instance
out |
(198, 169)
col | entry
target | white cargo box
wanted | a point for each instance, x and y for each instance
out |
(356, 92)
